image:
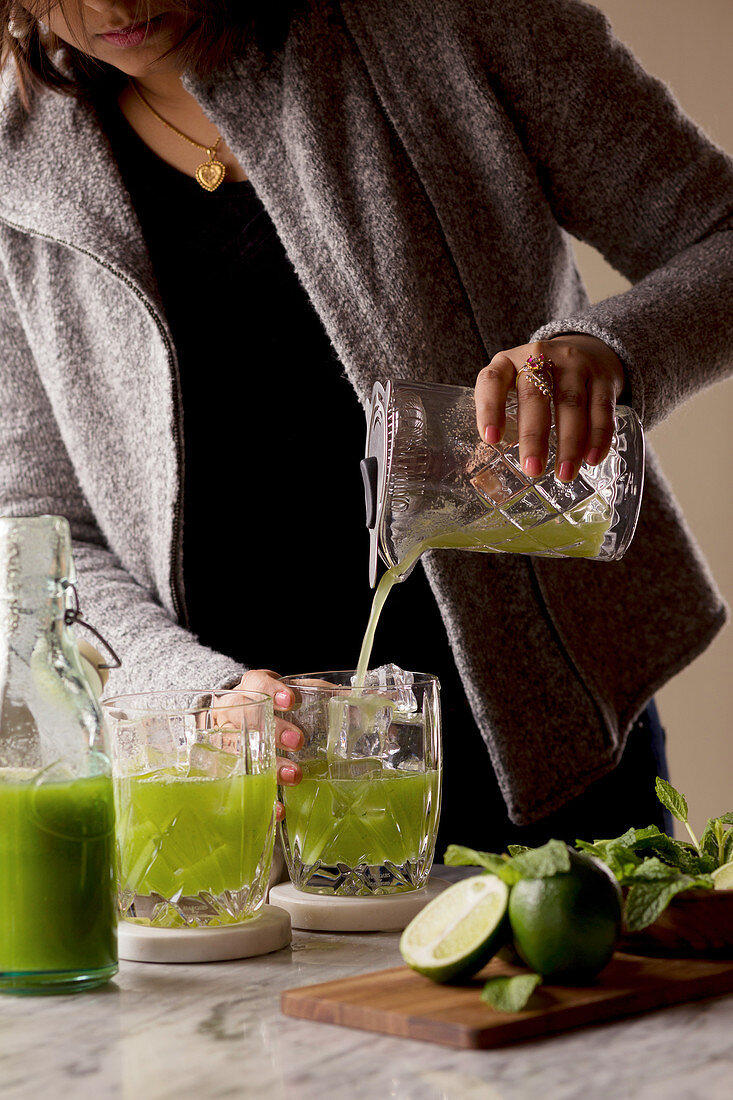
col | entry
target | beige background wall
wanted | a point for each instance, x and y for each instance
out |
(688, 44)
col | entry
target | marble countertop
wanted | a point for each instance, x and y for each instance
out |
(215, 1031)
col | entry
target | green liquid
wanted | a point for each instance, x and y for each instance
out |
(495, 534)
(335, 821)
(383, 819)
(193, 835)
(57, 905)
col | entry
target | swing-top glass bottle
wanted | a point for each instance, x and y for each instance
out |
(57, 904)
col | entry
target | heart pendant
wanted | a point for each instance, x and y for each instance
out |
(210, 174)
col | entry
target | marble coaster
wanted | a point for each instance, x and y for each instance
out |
(268, 932)
(377, 913)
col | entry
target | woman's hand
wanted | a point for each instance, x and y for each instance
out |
(587, 379)
(287, 736)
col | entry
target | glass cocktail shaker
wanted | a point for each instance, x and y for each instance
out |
(57, 881)
(431, 482)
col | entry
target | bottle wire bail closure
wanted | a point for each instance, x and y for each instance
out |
(72, 617)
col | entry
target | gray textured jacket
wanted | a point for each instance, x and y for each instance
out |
(424, 165)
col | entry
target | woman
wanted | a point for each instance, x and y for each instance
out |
(234, 209)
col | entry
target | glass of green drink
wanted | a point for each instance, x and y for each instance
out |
(195, 790)
(363, 819)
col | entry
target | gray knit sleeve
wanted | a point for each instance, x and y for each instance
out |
(624, 170)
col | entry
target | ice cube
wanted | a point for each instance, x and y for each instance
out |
(143, 742)
(367, 767)
(397, 683)
(207, 762)
(182, 729)
(357, 725)
(405, 745)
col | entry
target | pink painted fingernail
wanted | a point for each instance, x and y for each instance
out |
(532, 466)
(492, 434)
(283, 698)
(565, 473)
(287, 774)
(594, 456)
(291, 739)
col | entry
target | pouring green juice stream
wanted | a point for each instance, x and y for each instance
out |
(506, 538)
(431, 484)
(590, 536)
(352, 810)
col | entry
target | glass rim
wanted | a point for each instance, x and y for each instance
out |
(127, 701)
(419, 679)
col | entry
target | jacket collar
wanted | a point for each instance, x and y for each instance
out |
(58, 179)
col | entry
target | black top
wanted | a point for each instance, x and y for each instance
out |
(275, 548)
(275, 544)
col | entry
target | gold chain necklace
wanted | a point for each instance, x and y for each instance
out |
(209, 173)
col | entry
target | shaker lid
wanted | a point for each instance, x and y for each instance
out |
(374, 469)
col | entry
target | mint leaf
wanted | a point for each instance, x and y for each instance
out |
(527, 863)
(647, 900)
(728, 849)
(715, 842)
(654, 870)
(676, 804)
(593, 849)
(647, 835)
(680, 854)
(711, 839)
(458, 856)
(517, 849)
(551, 859)
(510, 994)
(618, 856)
(671, 799)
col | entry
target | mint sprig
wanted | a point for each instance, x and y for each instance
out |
(676, 803)
(551, 859)
(456, 855)
(656, 867)
(510, 994)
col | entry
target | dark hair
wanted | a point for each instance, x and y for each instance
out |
(217, 32)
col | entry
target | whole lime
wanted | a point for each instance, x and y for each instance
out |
(565, 926)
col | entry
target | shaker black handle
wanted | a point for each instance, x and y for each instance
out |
(369, 467)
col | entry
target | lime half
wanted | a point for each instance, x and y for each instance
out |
(723, 877)
(457, 932)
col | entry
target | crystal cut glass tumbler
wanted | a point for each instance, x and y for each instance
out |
(195, 790)
(363, 819)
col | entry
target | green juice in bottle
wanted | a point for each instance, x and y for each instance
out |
(57, 889)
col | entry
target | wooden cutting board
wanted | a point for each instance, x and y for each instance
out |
(401, 1003)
